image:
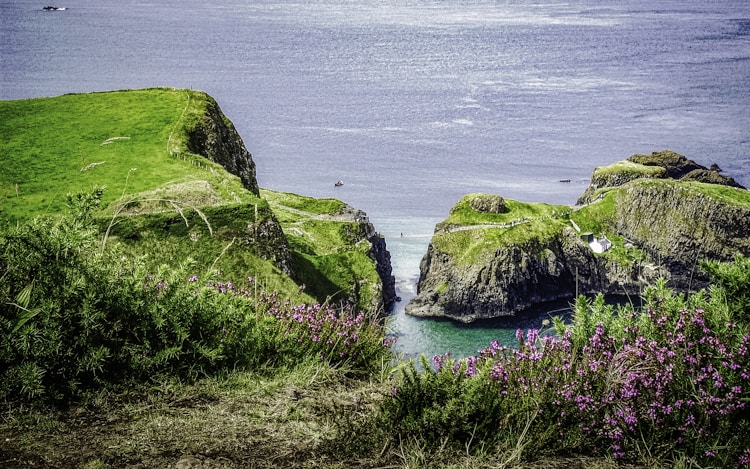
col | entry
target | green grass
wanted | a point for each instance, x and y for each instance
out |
(629, 168)
(723, 194)
(469, 236)
(462, 214)
(54, 146)
(135, 144)
(330, 253)
(219, 243)
(282, 200)
(540, 222)
(468, 247)
(597, 217)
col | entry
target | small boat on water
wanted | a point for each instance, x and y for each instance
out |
(338, 183)
(51, 8)
(564, 180)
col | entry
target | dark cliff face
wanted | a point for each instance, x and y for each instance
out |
(679, 226)
(520, 277)
(214, 137)
(671, 224)
(382, 258)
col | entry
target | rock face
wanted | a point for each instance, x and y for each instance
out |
(521, 276)
(379, 254)
(660, 227)
(382, 258)
(215, 138)
(679, 226)
(267, 240)
(488, 204)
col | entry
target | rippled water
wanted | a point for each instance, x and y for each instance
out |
(415, 103)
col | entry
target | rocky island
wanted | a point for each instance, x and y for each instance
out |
(641, 219)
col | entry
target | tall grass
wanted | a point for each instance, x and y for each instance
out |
(74, 319)
(666, 384)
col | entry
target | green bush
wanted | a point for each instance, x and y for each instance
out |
(75, 319)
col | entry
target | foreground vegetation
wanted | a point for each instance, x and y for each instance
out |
(160, 366)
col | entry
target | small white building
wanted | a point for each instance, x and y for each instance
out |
(600, 245)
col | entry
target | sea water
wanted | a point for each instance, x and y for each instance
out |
(415, 103)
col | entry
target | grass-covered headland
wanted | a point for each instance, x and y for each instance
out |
(145, 152)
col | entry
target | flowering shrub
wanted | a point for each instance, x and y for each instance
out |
(74, 319)
(291, 333)
(668, 382)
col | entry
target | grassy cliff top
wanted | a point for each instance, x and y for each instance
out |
(330, 249)
(129, 141)
(167, 204)
(294, 206)
(464, 213)
(468, 234)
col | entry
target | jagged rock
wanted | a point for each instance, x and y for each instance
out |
(378, 252)
(382, 258)
(663, 164)
(267, 240)
(710, 177)
(215, 138)
(675, 165)
(488, 203)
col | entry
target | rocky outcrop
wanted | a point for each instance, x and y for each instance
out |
(660, 227)
(677, 166)
(382, 258)
(378, 253)
(266, 239)
(214, 137)
(522, 276)
(488, 203)
(678, 226)
(663, 164)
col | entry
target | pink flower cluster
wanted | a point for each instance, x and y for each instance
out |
(671, 378)
(330, 333)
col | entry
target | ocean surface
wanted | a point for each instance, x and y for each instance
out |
(416, 103)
